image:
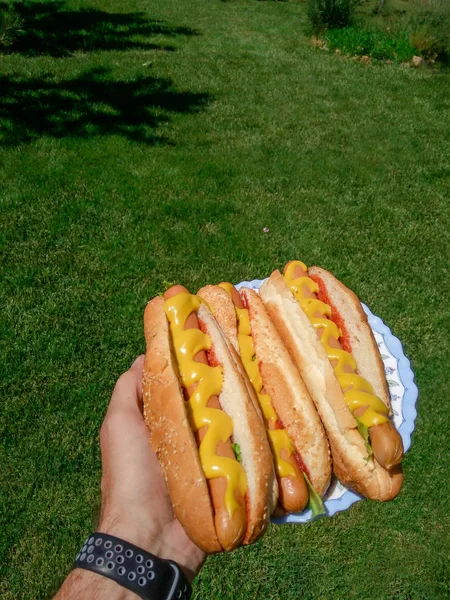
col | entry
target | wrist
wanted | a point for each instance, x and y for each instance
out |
(132, 567)
(132, 531)
(85, 585)
(158, 540)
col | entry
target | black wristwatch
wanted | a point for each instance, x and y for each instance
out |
(146, 575)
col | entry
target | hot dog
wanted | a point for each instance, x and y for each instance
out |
(327, 334)
(299, 446)
(196, 406)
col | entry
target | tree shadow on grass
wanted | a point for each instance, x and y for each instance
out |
(92, 104)
(50, 28)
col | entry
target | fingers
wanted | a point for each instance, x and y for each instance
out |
(135, 501)
(138, 363)
(128, 390)
(124, 434)
(125, 407)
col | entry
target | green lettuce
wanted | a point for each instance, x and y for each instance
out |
(364, 431)
(237, 452)
(315, 501)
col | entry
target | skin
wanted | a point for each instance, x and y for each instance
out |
(135, 503)
(230, 530)
(293, 493)
(386, 442)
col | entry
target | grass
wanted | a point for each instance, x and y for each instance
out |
(10, 26)
(392, 30)
(160, 152)
(423, 25)
(357, 41)
(328, 14)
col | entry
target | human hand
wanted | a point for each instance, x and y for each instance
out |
(135, 504)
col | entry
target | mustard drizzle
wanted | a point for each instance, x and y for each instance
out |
(357, 390)
(278, 438)
(187, 343)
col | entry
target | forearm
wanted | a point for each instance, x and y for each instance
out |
(85, 585)
(135, 504)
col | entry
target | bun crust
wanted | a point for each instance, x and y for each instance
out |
(222, 308)
(171, 435)
(362, 341)
(248, 432)
(289, 395)
(173, 441)
(281, 379)
(347, 445)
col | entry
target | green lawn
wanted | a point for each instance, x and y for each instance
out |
(144, 142)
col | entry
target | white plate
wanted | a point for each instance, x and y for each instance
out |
(403, 393)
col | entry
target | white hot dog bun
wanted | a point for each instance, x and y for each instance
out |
(175, 431)
(269, 365)
(352, 462)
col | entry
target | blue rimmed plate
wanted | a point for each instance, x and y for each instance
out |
(403, 392)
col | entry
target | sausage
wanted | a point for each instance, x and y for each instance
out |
(387, 445)
(230, 529)
(235, 296)
(293, 493)
(386, 442)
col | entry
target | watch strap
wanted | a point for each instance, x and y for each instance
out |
(146, 575)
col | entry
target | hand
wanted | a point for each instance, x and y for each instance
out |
(135, 503)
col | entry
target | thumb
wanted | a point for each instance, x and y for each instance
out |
(127, 394)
